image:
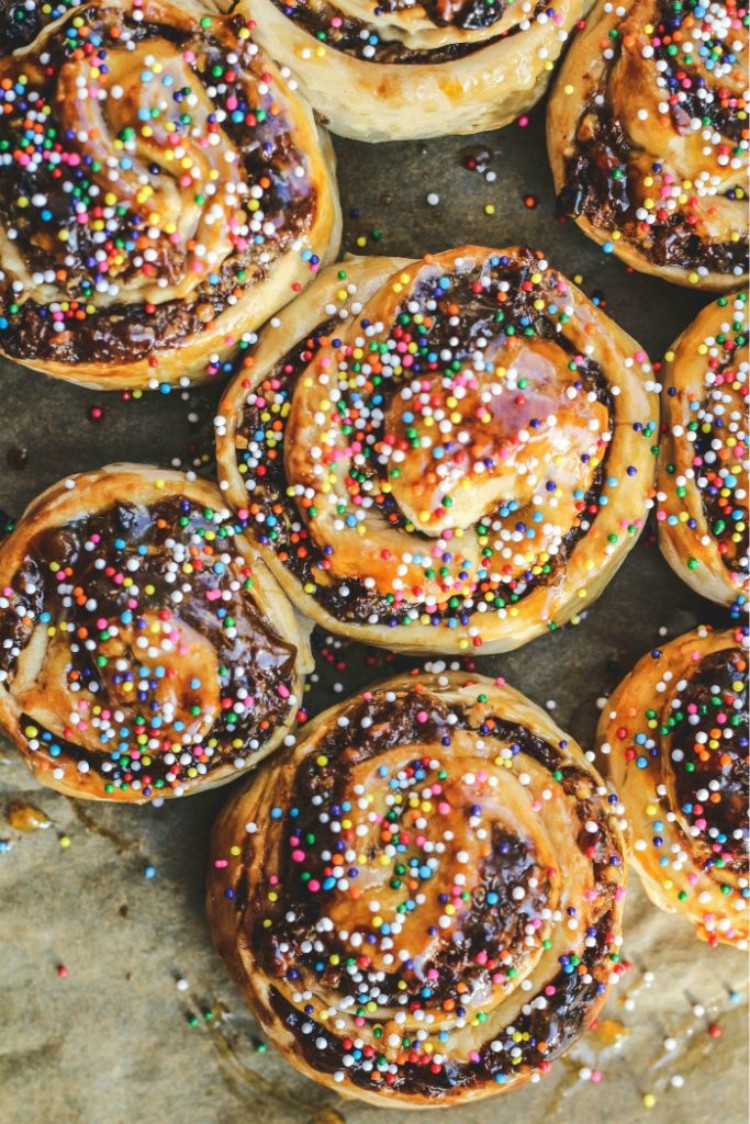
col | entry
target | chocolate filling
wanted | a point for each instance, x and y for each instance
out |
(361, 41)
(611, 202)
(720, 513)
(722, 772)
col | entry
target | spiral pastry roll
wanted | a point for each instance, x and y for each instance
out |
(648, 137)
(451, 453)
(676, 732)
(144, 650)
(703, 463)
(164, 190)
(422, 899)
(406, 69)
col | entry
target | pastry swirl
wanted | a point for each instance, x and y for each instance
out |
(676, 733)
(402, 70)
(456, 453)
(648, 137)
(703, 463)
(144, 650)
(421, 900)
(165, 190)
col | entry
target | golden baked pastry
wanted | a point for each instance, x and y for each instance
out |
(399, 71)
(164, 190)
(145, 651)
(443, 455)
(421, 900)
(676, 734)
(703, 463)
(648, 138)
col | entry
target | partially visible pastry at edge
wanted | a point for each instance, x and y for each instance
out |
(422, 899)
(145, 651)
(398, 71)
(703, 463)
(444, 455)
(22, 20)
(676, 734)
(647, 131)
(163, 190)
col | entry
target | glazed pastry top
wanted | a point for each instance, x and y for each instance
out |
(152, 172)
(135, 638)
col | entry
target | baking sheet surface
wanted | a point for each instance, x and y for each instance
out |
(114, 1007)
